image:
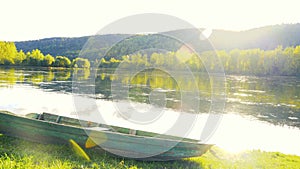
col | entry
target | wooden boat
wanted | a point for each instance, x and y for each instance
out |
(140, 145)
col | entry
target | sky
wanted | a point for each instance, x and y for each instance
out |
(37, 19)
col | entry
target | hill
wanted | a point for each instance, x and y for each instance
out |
(265, 38)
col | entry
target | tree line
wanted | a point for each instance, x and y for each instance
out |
(9, 55)
(280, 61)
(266, 38)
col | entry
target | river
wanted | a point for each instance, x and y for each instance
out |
(259, 113)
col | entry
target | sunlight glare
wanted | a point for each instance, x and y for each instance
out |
(205, 34)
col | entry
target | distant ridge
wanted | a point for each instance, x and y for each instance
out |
(268, 37)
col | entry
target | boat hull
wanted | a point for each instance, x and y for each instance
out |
(125, 145)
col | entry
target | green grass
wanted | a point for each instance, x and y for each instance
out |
(17, 153)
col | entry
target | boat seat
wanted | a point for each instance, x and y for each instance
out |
(68, 121)
(50, 117)
(97, 128)
(58, 119)
(132, 132)
(40, 116)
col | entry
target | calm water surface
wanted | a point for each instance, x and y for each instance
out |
(260, 112)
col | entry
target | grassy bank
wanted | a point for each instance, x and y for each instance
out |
(16, 153)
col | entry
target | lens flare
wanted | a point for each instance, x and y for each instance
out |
(95, 139)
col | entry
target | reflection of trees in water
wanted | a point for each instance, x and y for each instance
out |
(271, 99)
(9, 77)
(278, 115)
(276, 90)
(275, 100)
(103, 85)
(156, 87)
(56, 80)
(81, 74)
(63, 75)
(12, 76)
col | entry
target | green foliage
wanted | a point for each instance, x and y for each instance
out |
(136, 43)
(81, 63)
(55, 46)
(71, 47)
(279, 62)
(35, 57)
(218, 158)
(10, 56)
(62, 61)
(19, 154)
(48, 60)
(265, 38)
(259, 62)
(8, 53)
(21, 56)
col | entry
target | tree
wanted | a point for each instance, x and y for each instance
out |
(35, 58)
(62, 61)
(48, 60)
(8, 53)
(296, 60)
(21, 56)
(81, 63)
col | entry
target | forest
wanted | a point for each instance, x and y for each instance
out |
(265, 38)
(279, 61)
(9, 55)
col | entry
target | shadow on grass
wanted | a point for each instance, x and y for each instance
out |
(48, 154)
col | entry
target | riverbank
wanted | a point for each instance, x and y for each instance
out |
(16, 153)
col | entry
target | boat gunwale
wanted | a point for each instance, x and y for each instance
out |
(104, 131)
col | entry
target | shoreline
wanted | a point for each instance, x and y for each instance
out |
(17, 153)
